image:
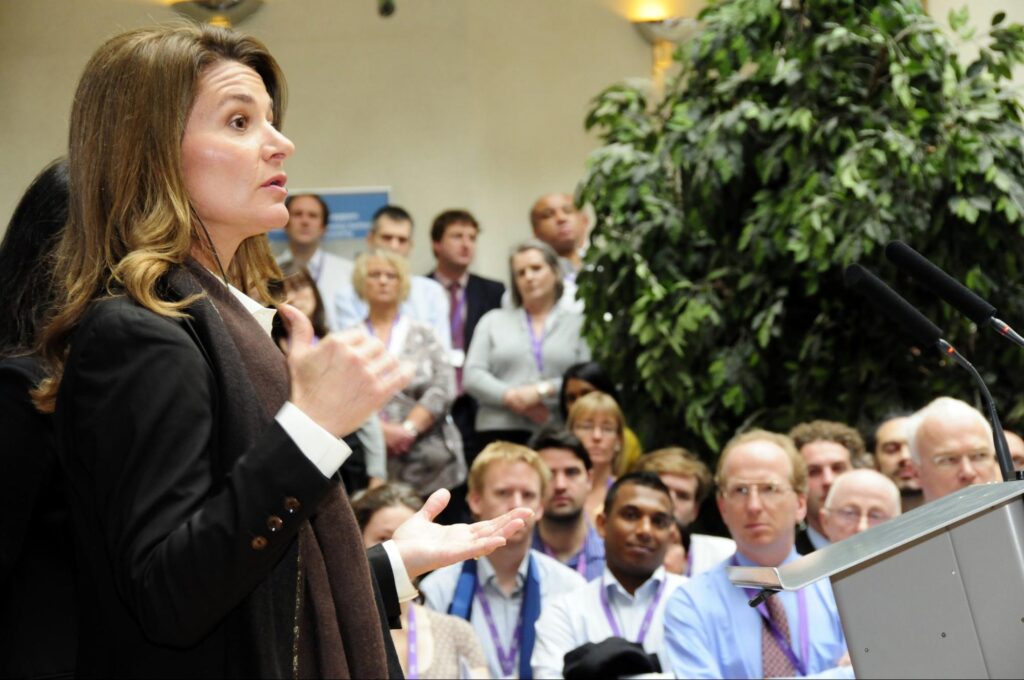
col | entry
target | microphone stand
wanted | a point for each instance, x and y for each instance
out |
(998, 438)
(1004, 330)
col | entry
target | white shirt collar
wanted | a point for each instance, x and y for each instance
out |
(609, 581)
(264, 315)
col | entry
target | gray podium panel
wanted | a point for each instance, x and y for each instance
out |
(937, 592)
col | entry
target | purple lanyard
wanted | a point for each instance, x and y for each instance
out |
(391, 334)
(537, 343)
(648, 617)
(414, 670)
(801, 608)
(507, 660)
(581, 561)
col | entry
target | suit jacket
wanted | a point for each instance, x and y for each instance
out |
(803, 542)
(482, 295)
(185, 517)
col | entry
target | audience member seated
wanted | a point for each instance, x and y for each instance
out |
(37, 568)
(559, 223)
(517, 357)
(951, 446)
(454, 235)
(597, 420)
(857, 501)
(829, 449)
(429, 644)
(584, 378)
(689, 480)
(501, 595)
(710, 629)
(424, 448)
(892, 459)
(565, 532)
(427, 301)
(1016, 446)
(629, 600)
(306, 228)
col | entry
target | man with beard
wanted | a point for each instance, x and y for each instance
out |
(629, 599)
(564, 532)
(892, 459)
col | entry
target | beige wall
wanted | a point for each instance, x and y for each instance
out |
(453, 103)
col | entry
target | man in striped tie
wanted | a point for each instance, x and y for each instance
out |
(710, 630)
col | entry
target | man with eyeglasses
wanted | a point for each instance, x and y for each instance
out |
(951, 446)
(857, 501)
(710, 630)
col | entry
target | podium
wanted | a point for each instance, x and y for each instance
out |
(935, 593)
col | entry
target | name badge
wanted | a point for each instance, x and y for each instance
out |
(458, 357)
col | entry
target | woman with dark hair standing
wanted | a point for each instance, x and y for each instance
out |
(213, 537)
(37, 596)
(515, 363)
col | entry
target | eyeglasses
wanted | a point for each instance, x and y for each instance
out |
(768, 492)
(606, 430)
(951, 462)
(851, 516)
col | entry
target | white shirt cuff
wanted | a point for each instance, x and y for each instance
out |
(324, 450)
(403, 586)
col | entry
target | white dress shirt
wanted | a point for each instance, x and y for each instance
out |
(321, 447)
(439, 588)
(577, 617)
(707, 552)
(331, 274)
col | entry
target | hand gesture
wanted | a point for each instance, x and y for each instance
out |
(343, 379)
(425, 546)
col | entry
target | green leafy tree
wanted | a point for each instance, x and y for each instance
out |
(794, 142)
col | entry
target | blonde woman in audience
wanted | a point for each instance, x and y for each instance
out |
(584, 378)
(424, 447)
(429, 644)
(597, 421)
(517, 357)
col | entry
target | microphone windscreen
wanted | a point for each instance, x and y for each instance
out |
(939, 282)
(892, 305)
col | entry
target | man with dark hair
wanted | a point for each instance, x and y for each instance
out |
(629, 599)
(307, 225)
(829, 449)
(564, 532)
(892, 459)
(427, 302)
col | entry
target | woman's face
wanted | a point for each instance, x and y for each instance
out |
(233, 157)
(574, 389)
(382, 283)
(599, 433)
(383, 523)
(535, 280)
(303, 299)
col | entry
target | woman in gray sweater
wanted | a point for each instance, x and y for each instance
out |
(516, 360)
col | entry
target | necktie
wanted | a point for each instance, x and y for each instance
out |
(458, 327)
(775, 663)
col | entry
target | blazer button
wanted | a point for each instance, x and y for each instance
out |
(292, 505)
(259, 543)
(274, 523)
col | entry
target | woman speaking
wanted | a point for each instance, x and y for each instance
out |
(213, 539)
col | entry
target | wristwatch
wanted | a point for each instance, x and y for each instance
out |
(411, 428)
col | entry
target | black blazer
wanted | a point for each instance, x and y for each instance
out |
(172, 494)
(482, 295)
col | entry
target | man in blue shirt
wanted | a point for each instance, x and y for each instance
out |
(710, 630)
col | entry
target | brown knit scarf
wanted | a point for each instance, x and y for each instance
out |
(337, 630)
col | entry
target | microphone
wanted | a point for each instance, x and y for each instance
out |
(949, 289)
(927, 333)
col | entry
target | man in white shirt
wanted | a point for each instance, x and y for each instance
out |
(427, 301)
(629, 599)
(307, 224)
(502, 595)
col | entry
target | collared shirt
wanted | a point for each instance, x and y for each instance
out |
(712, 632)
(592, 553)
(439, 588)
(446, 282)
(427, 302)
(706, 552)
(331, 273)
(322, 448)
(576, 618)
(817, 540)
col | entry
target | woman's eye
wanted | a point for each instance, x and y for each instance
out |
(239, 122)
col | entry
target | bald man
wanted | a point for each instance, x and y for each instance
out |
(558, 222)
(857, 501)
(951, 446)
